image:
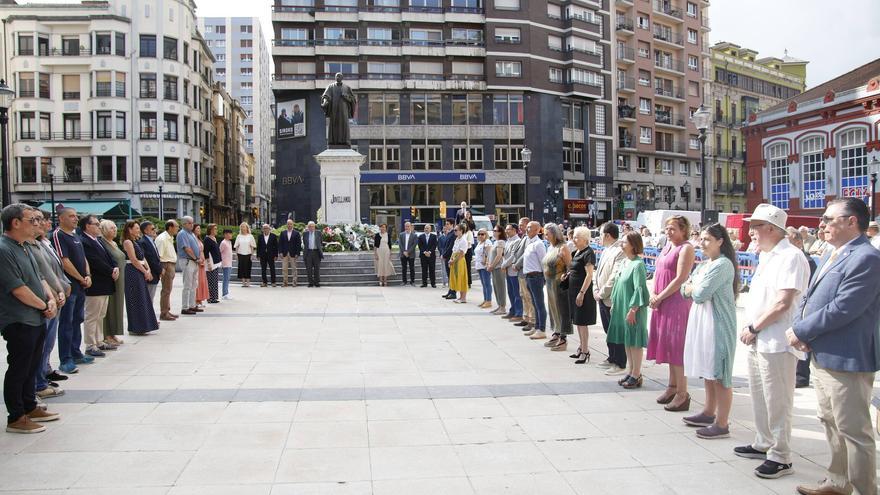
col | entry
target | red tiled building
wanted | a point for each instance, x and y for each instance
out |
(818, 146)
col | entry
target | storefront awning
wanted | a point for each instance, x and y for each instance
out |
(111, 210)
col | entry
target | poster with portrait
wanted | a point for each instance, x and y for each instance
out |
(291, 119)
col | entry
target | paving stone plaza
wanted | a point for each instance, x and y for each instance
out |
(376, 390)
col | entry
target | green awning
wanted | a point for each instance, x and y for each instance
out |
(111, 210)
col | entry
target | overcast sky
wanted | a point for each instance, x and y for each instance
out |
(835, 37)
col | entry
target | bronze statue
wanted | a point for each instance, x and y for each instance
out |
(338, 103)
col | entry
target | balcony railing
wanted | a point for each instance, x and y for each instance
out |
(337, 8)
(704, 20)
(293, 8)
(26, 93)
(626, 83)
(283, 42)
(666, 8)
(729, 154)
(668, 118)
(65, 52)
(625, 53)
(70, 95)
(332, 42)
(669, 64)
(581, 17)
(626, 112)
(667, 146)
(668, 36)
(625, 141)
(669, 92)
(624, 24)
(738, 188)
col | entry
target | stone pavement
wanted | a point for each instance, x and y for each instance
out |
(375, 390)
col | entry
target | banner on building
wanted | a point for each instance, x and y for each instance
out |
(291, 119)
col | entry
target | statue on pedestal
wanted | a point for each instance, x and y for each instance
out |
(338, 103)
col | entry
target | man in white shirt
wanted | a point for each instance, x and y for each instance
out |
(528, 317)
(534, 273)
(782, 275)
(874, 234)
(511, 275)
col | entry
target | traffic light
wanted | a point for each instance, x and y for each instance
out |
(202, 211)
(443, 209)
(254, 212)
(412, 211)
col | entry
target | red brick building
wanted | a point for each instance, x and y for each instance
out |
(818, 146)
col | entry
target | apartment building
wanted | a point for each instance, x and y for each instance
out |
(113, 99)
(450, 93)
(242, 67)
(228, 200)
(660, 61)
(742, 85)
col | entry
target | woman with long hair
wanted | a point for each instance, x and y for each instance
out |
(114, 320)
(244, 246)
(669, 320)
(212, 260)
(581, 304)
(382, 255)
(458, 265)
(202, 287)
(138, 306)
(629, 312)
(711, 334)
(555, 265)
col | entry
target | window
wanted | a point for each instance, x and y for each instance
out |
(105, 168)
(507, 4)
(340, 36)
(26, 85)
(26, 125)
(666, 166)
(44, 86)
(645, 135)
(28, 169)
(102, 43)
(245, 57)
(467, 36)
(169, 127)
(418, 158)
(425, 37)
(247, 43)
(693, 88)
(247, 85)
(599, 111)
(120, 125)
(247, 100)
(684, 168)
(73, 170)
(148, 85)
(693, 62)
(45, 125)
(507, 35)
(813, 165)
(777, 156)
(576, 44)
(169, 88)
(343, 67)
(72, 126)
(103, 122)
(507, 68)
(694, 142)
(644, 106)
(692, 36)
(220, 57)
(220, 44)
(246, 28)
(247, 71)
(425, 109)
(556, 75)
(221, 73)
(172, 170)
(854, 164)
(70, 46)
(70, 86)
(554, 43)
(120, 84)
(691, 9)
(644, 22)
(25, 44)
(148, 45)
(644, 78)
(148, 125)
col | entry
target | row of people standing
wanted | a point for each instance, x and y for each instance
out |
(268, 247)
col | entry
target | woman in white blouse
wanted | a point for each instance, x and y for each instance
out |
(458, 265)
(481, 258)
(245, 245)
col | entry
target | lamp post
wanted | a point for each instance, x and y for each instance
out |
(702, 118)
(526, 159)
(6, 95)
(51, 170)
(686, 192)
(874, 168)
(161, 202)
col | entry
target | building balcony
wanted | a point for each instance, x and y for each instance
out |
(424, 48)
(669, 119)
(626, 54)
(738, 189)
(668, 38)
(624, 3)
(289, 13)
(574, 20)
(704, 21)
(336, 14)
(670, 65)
(670, 146)
(465, 48)
(293, 48)
(625, 26)
(626, 84)
(626, 112)
(666, 9)
(68, 139)
(728, 154)
(626, 141)
(671, 93)
(588, 56)
(422, 14)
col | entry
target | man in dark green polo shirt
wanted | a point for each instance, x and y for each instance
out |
(24, 306)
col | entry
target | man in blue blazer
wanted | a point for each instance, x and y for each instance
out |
(838, 322)
(428, 256)
(104, 274)
(289, 249)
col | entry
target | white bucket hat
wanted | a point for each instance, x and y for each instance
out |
(770, 214)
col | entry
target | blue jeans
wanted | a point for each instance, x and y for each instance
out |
(516, 308)
(44, 368)
(536, 290)
(226, 271)
(69, 326)
(486, 282)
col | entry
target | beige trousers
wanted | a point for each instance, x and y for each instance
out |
(93, 325)
(771, 382)
(285, 260)
(844, 410)
(528, 307)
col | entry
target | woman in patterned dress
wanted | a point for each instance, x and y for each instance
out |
(202, 294)
(711, 336)
(114, 321)
(212, 260)
(138, 306)
(555, 264)
(669, 320)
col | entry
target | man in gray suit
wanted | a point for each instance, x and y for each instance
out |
(407, 242)
(313, 254)
(838, 322)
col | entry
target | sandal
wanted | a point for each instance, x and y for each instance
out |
(553, 340)
(584, 358)
(576, 354)
(666, 397)
(561, 345)
(623, 380)
(631, 383)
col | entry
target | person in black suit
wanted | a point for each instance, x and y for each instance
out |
(446, 252)
(289, 249)
(428, 256)
(147, 243)
(104, 273)
(407, 242)
(267, 251)
(313, 250)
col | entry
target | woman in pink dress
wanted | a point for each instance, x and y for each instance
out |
(670, 317)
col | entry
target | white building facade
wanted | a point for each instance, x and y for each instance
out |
(115, 99)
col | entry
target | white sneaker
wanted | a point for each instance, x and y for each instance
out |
(614, 370)
(227, 297)
(604, 364)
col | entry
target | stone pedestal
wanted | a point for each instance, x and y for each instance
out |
(340, 185)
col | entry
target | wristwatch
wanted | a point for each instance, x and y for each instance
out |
(752, 329)
(46, 308)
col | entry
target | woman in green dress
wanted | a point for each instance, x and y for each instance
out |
(711, 334)
(629, 309)
(114, 322)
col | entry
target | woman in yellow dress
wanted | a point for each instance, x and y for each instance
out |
(458, 266)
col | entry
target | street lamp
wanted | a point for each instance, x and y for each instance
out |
(6, 95)
(526, 159)
(686, 192)
(161, 202)
(51, 170)
(874, 168)
(702, 117)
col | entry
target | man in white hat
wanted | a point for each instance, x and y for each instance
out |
(781, 276)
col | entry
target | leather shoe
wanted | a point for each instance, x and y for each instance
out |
(166, 318)
(197, 310)
(820, 489)
(188, 312)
